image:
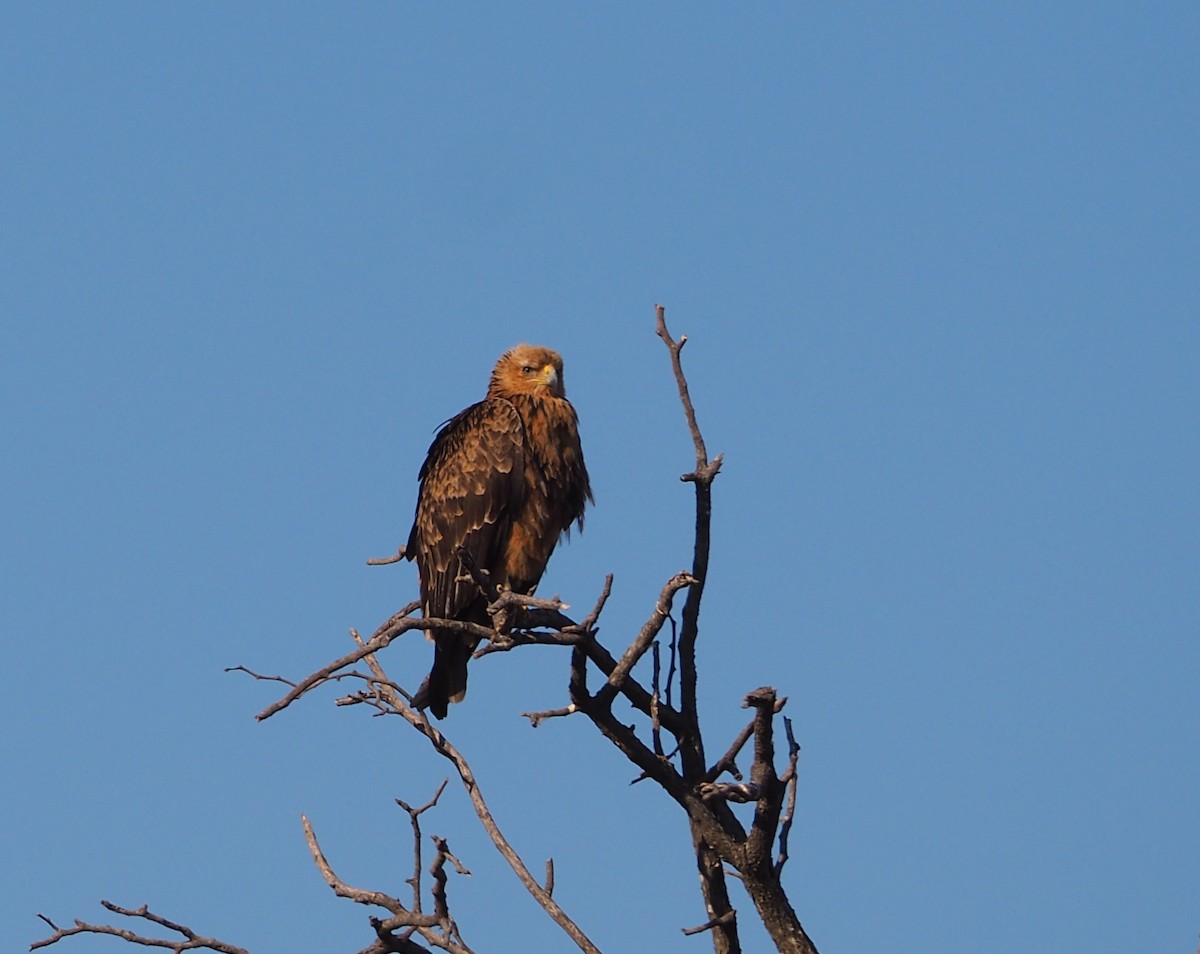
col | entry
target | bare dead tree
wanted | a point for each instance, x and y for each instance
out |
(753, 848)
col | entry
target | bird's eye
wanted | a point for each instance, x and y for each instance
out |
(528, 369)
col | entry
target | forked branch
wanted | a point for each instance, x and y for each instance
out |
(382, 695)
(188, 940)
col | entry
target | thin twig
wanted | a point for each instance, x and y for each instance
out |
(655, 724)
(385, 561)
(729, 917)
(791, 777)
(673, 659)
(395, 627)
(675, 347)
(537, 718)
(260, 676)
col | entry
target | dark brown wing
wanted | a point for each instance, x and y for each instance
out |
(472, 483)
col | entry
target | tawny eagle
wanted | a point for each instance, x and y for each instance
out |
(503, 480)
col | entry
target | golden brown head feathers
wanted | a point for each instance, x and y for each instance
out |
(528, 369)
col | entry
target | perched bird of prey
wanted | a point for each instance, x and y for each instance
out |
(503, 480)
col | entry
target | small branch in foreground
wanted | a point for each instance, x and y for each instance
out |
(791, 777)
(438, 929)
(537, 718)
(691, 743)
(384, 561)
(344, 890)
(509, 598)
(192, 941)
(504, 642)
(705, 470)
(729, 917)
(441, 906)
(650, 629)
(726, 762)
(730, 791)
(414, 815)
(259, 676)
(387, 700)
(588, 623)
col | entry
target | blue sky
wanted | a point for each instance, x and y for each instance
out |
(938, 268)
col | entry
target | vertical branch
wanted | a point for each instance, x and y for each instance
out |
(702, 477)
(760, 875)
(691, 747)
(414, 817)
(792, 778)
(675, 347)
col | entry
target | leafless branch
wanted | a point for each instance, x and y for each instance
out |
(655, 722)
(537, 718)
(383, 695)
(441, 906)
(191, 940)
(588, 624)
(791, 778)
(673, 660)
(729, 917)
(414, 815)
(662, 610)
(482, 578)
(769, 804)
(395, 627)
(437, 929)
(676, 347)
(506, 642)
(260, 676)
(730, 791)
(344, 890)
(509, 598)
(726, 762)
(691, 742)
(385, 561)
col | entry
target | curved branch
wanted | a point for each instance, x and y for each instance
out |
(357, 895)
(385, 561)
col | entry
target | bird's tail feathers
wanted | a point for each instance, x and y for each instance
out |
(447, 680)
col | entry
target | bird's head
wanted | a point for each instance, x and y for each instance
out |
(528, 369)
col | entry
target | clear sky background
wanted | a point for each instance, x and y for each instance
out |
(938, 266)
